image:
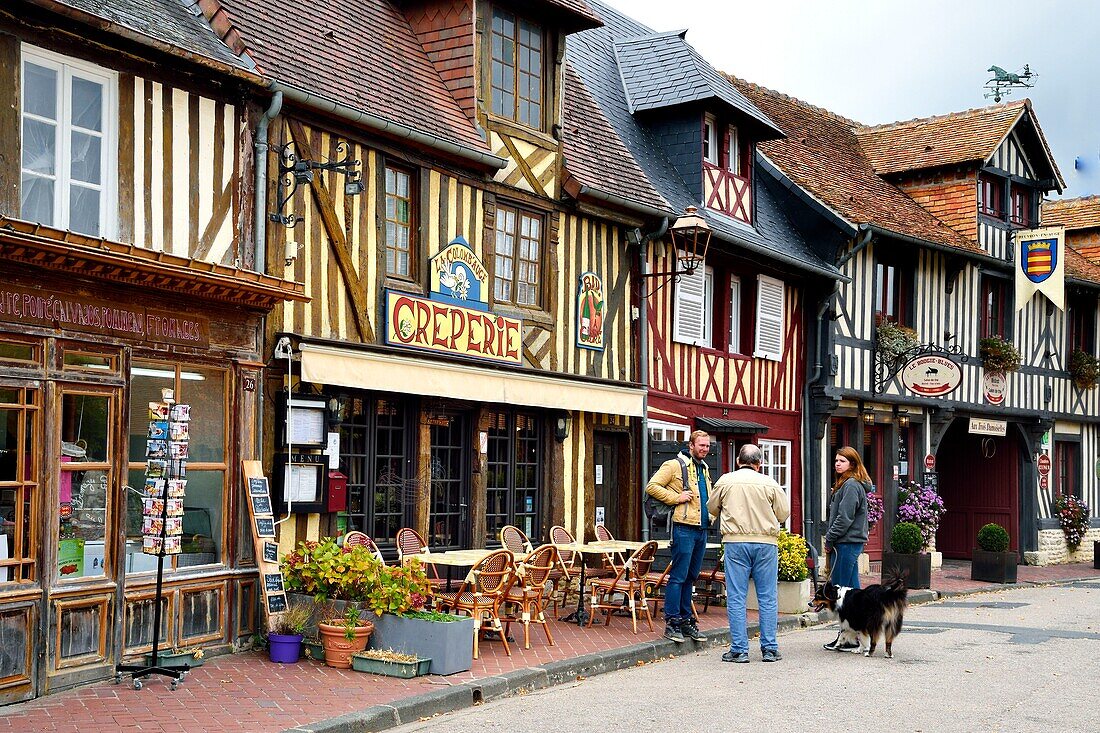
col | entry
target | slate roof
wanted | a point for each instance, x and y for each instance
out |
(823, 156)
(322, 47)
(591, 55)
(176, 22)
(961, 137)
(662, 70)
(1078, 213)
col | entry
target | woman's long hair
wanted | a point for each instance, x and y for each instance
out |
(855, 467)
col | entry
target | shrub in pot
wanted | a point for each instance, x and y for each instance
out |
(991, 561)
(905, 558)
(284, 642)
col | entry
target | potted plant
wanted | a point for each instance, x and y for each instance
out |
(905, 557)
(998, 355)
(396, 604)
(390, 663)
(284, 643)
(342, 637)
(894, 341)
(992, 561)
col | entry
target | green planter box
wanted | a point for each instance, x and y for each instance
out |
(404, 670)
(449, 644)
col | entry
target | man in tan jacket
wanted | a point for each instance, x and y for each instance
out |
(752, 508)
(684, 484)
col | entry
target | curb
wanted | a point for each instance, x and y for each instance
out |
(475, 692)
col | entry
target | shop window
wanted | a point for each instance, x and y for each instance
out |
(20, 447)
(1067, 468)
(517, 69)
(514, 480)
(777, 464)
(994, 312)
(85, 483)
(205, 390)
(68, 145)
(517, 265)
(401, 252)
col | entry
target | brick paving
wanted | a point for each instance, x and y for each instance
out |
(245, 693)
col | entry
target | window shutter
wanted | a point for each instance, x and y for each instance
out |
(769, 318)
(690, 309)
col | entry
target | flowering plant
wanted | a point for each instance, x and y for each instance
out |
(922, 506)
(1073, 515)
(792, 557)
(874, 509)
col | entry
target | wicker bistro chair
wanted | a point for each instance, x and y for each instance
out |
(629, 582)
(515, 540)
(527, 596)
(482, 594)
(355, 537)
(409, 542)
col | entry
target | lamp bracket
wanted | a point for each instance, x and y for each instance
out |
(294, 171)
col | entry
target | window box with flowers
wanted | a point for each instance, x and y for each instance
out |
(998, 355)
(1084, 368)
(794, 581)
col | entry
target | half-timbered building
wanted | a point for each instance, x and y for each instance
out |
(722, 349)
(125, 267)
(928, 210)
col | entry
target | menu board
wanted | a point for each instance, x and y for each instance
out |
(166, 451)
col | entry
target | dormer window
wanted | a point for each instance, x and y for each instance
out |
(710, 140)
(517, 69)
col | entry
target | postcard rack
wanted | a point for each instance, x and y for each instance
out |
(162, 517)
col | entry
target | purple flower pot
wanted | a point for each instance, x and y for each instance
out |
(284, 648)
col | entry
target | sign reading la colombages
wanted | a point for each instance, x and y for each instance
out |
(455, 317)
(932, 375)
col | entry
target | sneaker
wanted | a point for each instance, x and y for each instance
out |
(690, 630)
(673, 632)
(771, 655)
(736, 657)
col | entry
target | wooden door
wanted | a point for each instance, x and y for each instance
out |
(449, 511)
(979, 482)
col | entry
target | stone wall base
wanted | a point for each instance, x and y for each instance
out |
(1053, 550)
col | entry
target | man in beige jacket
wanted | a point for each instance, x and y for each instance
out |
(752, 507)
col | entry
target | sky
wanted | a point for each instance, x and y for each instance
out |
(890, 60)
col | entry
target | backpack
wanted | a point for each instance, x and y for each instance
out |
(658, 511)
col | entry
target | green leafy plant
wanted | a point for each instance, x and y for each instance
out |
(895, 341)
(792, 557)
(1084, 368)
(293, 620)
(906, 539)
(998, 355)
(993, 538)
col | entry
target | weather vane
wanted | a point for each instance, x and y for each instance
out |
(1003, 82)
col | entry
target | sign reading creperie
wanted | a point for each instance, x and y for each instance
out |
(128, 321)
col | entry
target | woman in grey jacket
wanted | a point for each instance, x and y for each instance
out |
(847, 532)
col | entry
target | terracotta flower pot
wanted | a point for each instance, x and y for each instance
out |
(338, 649)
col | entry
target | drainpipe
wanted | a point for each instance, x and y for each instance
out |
(643, 354)
(259, 234)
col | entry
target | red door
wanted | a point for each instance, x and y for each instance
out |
(979, 483)
(874, 458)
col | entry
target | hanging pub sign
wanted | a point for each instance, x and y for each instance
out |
(994, 384)
(931, 375)
(455, 317)
(1040, 265)
(590, 312)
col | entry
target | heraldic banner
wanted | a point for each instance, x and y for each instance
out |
(1040, 265)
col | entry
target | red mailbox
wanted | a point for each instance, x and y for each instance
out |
(337, 492)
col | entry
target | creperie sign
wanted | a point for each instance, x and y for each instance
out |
(420, 323)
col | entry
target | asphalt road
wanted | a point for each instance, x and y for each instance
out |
(1020, 660)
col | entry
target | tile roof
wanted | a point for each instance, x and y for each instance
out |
(822, 155)
(593, 151)
(176, 22)
(1078, 213)
(591, 54)
(321, 47)
(663, 70)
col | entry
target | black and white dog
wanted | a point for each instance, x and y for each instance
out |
(866, 613)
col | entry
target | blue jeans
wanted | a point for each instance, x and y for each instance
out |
(759, 561)
(688, 545)
(846, 564)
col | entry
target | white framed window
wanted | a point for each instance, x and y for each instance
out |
(733, 151)
(660, 430)
(710, 139)
(69, 143)
(735, 315)
(776, 462)
(693, 307)
(770, 307)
